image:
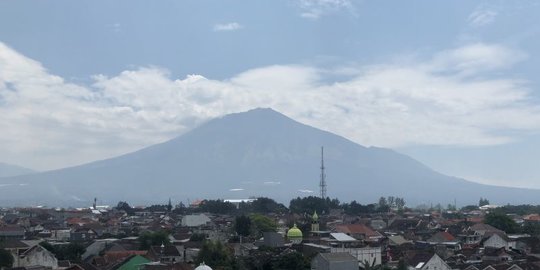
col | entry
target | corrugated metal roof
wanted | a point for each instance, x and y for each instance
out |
(341, 237)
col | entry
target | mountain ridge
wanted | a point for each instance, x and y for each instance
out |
(260, 152)
(7, 170)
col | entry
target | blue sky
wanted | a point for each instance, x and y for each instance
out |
(451, 83)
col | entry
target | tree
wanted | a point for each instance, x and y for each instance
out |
(391, 201)
(531, 228)
(180, 209)
(169, 206)
(125, 207)
(483, 202)
(291, 260)
(148, 239)
(71, 251)
(266, 205)
(354, 208)
(217, 207)
(382, 202)
(402, 265)
(400, 203)
(262, 224)
(501, 222)
(242, 225)
(6, 260)
(308, 204)
(215, 254)
(197, 237)
(47, 246)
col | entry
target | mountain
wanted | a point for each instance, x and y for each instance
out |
(256, 153)
(7, 170)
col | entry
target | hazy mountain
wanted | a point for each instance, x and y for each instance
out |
(7, 170)
(257, 153)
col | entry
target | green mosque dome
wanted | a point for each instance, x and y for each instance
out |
(315, 217)
(295, 235)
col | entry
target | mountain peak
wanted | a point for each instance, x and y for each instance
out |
(260, 152)
(259, 114)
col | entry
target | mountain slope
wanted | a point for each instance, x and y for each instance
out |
(7, 170)
(257, 153)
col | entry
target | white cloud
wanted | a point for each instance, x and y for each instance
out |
(482, 17)
(272, 183)
(314, 9)
(116, 27)
(232, 26)
(305, 191)
(449, 99)
(476, 58)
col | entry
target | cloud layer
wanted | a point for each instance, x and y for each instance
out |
(449, 98)
(482, 16)
(227, 27)
(314, 9)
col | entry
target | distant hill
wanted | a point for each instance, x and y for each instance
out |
(256, 153)
(7, 170)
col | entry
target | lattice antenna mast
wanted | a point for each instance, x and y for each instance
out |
(322, 184)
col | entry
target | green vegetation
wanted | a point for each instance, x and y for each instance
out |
(267, 258)
(216, 255)
(483, 202)
(148, 239)
(217, 207)
(291, 260)
(71, 251)
(266, 205)
(125, 207)
(262, 224)
(308, 205)
(501, 222)
(198, 237)
(524, 209)
(242, 225)
(6, 260)
(354, 208)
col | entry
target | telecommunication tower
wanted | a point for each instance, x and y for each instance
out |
(322, 184)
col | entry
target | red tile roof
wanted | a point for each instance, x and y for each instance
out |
(357, 229)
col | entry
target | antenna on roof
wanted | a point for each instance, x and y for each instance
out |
(322, 183)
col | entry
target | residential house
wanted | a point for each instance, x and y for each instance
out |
(195, 220)
(372, 255)
(441, 237)
(482, 229)
(334, 261)
(497, 240)
(15, 247)
(165, 254)
(359, 232)
(37, 256)
(273, 239)
(12, 232)
(133, 262)
(494, 255)
(398, 240)
(433, 263)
